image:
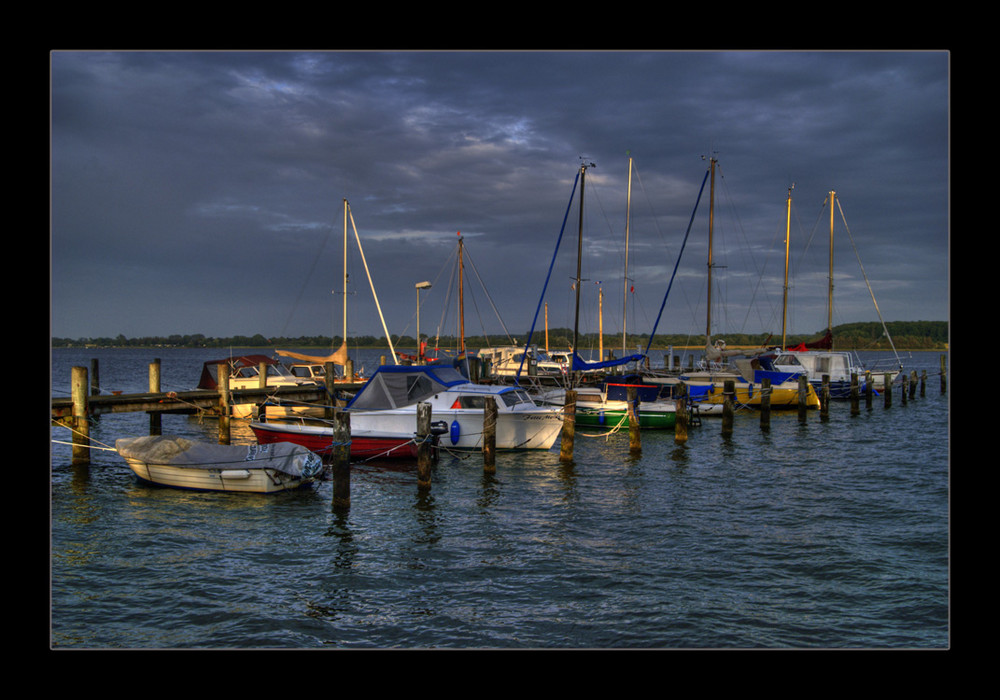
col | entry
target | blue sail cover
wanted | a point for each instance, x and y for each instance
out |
(581, 365)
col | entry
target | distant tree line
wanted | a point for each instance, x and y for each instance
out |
(906, 335)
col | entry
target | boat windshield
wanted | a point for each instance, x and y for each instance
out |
(787, 360)
(516, 397)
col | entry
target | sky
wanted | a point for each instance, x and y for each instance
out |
(203, 192)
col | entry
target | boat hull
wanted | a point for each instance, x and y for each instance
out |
(515, 430)
(184, 464)
(232, 480)
(752, 396)
(612, 418)
(319, 439)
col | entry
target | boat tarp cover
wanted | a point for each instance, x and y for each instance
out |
(824, 343)
(396, 386)
(173, 451)
(339, 357)
(582, 365)
(209, 369)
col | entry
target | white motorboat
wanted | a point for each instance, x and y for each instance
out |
(387, 404)
(244, 373)
(186, 464)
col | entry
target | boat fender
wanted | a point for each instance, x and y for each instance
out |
(235, 474)
(600, 417)
(456, 432)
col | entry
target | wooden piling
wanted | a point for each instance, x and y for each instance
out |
(329, 381)
(913, 384)
(95, 377)
(681, 414)
(902, 384)
(729, 389)
(765, 404)
(223, 383)
(923, 383)
(803, 398)
(824, 398)
(855, 410)
(569, 427)
(887, 389)
(81, 424)
(868, 390)
(490, 435)
(340, 455)
(944, 374)
(155, 424)
(634, 432)
(424, 456)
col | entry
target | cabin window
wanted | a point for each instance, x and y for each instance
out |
(515, 397)
(470, 402)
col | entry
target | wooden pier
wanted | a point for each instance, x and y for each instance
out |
(84, 403)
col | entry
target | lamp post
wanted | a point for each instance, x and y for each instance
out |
(420, 352)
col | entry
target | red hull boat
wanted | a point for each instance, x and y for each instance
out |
(319, 439)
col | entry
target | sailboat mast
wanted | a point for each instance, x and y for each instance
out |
(461, 295)
(784, 299)
(628, 216)
(345, 270)
(829, 313)
(711, 218)
(579, 264)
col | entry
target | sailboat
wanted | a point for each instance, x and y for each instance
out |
(818, 358)
(596, 406)
(314, 366)
(706, 387)
(314, 431)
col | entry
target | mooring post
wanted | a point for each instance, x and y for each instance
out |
(868, 390)
(902, 383)
(803, 398)
(569, 427)
(923, 383)
(95, 377)
(424, 456)
(155, 424)
(81, 426)
(944, 374)
(329, 379)
(681, 413)
(340, 454)
(855, 410)
(490, 435)
(887, 388)
(349, 370)
(634, 437)
(223, 382)
(729, 388)
(765, 404)
(824, 398)
(913, 384)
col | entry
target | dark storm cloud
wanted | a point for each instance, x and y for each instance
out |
(202, 192)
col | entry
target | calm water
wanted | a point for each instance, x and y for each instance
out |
(825, 535)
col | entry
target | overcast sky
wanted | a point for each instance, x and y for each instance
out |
(203, 192)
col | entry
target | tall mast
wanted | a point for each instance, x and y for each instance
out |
(579, 266)
(711, 217)
(784, 299)
(829, 313)
(628, 210)
(461, 295)
(345, 270)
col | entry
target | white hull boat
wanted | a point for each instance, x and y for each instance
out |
(388, 404)
(186, 464)
(245, 374)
